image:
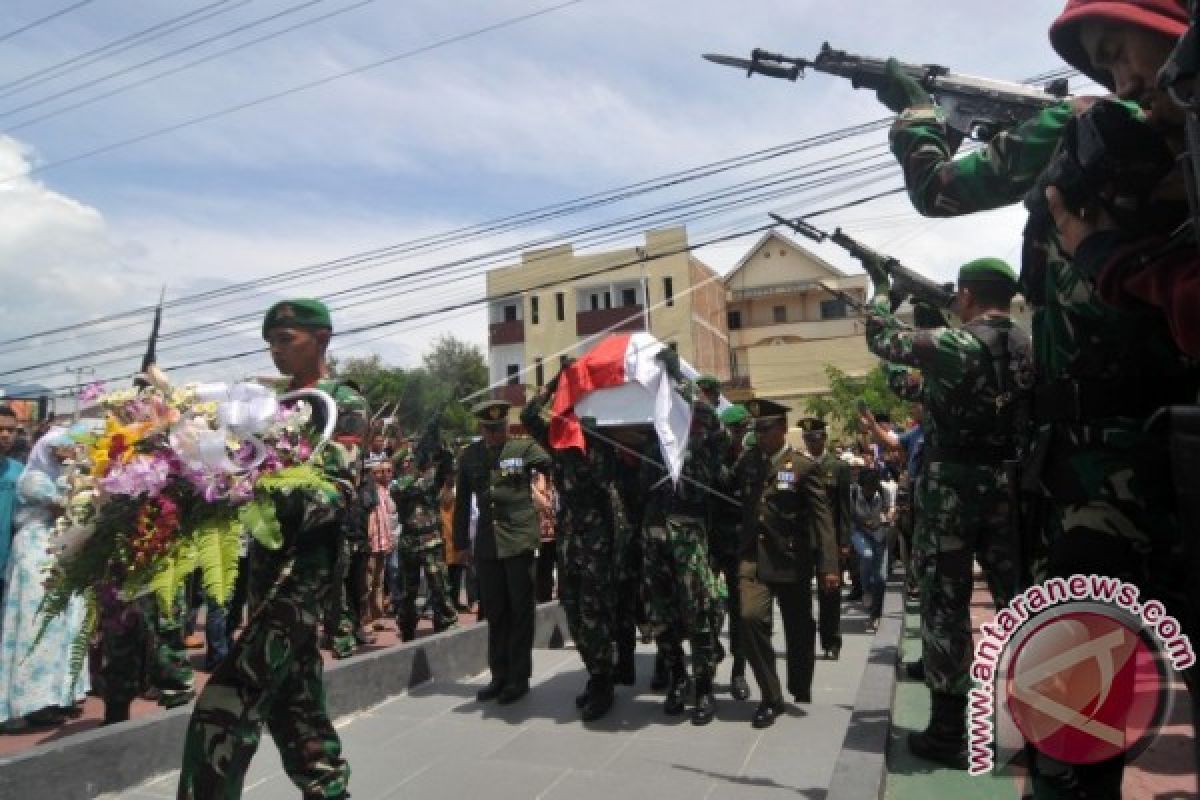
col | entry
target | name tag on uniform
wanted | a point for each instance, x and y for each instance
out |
(785, 480)
(512, 466)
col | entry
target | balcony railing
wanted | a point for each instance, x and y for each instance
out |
(512, 332)
(625, 318)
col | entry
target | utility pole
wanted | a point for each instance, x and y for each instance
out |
(79, 372)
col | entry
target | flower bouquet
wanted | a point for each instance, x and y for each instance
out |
(173, 481)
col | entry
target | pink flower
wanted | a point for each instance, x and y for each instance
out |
(91, 392)
(142, 475)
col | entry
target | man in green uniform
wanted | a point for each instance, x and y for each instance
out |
(726, 534)
(420, 547)
(679, 588)
(273, 674)
(835, 477)
(786, 515)
(497, 470)
(974, 380)
(141, 651)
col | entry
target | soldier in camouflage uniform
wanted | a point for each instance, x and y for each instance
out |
(421, 548)
(592, 527)
(139, 654)
(835, 477)
(974, 379)
(1103, 486)
(274, 673)
(723, 543)
(785, 517)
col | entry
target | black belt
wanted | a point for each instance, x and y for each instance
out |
(972, 454)
(1084, 400)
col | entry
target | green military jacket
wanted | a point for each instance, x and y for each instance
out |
(417, 510)
(499, 478)
(835, 476)
(786, 515)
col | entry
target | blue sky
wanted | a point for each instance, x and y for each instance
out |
(594, 95)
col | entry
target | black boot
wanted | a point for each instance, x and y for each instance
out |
(677, 692)
(600, 698)
(706, 703)
(738, 688)
(660, 680)
(581, 699)
(116, 712)
(945, 740)
(625, 672)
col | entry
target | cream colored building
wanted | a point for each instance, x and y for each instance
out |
(556, 303)
(784, 327)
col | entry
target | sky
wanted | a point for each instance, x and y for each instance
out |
(424, 117)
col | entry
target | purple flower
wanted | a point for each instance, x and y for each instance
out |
(143, 475)
(91, 392)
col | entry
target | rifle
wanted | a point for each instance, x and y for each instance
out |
(905, 282)
(150, 358)
(976, 108)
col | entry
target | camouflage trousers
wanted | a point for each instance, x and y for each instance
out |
(141, 650)
(680, 590)
(272, 676)
(587, 585)
(962, 516)
(340, 615)
(430, 559)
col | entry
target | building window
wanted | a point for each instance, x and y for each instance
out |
(780, 314)
(533, 310)
(833, 309)
(510, 313)
(735, 320)
(629, 297)
(669, 290)
(562, 361)
(539, 372)
(514, 374)
(560, 303)
(674, 346)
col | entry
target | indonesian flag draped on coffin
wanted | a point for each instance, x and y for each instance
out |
(621, 382)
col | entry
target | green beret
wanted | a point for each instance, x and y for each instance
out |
(491, 411)
(709, 383)
(735, 415)
(300, 312)
(987, 269)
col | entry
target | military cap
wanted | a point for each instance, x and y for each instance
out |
(812, 426)
(763, 409)
(735, 414)
(491, 411)
(987, 269)
(299, 312)
(709, 382)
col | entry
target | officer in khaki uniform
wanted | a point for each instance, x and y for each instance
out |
(835, 476)
(787, 515)
(497, 471)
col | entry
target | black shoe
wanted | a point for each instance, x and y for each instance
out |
(706, 704)
(600, 699)
(739, 689)
(765, 716)
(677, 694)
(833, 653)
(511, 694)
(625, 672)
(659, 680)
(915, 670)
(803, 697)
(114, 713)
(945, 740)
(490, 692)
(581, 699)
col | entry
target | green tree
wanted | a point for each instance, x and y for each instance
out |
(840, 405)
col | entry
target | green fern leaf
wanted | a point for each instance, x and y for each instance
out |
(218, 546)
(259, 520)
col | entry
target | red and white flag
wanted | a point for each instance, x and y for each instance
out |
(620, 382)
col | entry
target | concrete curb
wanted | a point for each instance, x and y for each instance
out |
(119, 757)
(861, 767)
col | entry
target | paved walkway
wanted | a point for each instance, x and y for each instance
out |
(438, 742)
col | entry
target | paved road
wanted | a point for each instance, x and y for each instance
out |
(437, 742)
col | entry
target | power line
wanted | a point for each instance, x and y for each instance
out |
(506, 23)
(30, 26)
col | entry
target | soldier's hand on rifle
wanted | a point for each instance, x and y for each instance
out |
(902, 92)
(875, 265)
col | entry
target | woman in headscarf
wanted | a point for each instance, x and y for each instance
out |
(36, 684)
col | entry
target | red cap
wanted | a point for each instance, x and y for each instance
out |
(1168, 17)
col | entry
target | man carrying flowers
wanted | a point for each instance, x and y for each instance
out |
(273, 674)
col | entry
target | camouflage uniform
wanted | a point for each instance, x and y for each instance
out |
(274, 673)
(723, 547)
(963, 498)
(139, 653)
(678, 585)
(421, 549)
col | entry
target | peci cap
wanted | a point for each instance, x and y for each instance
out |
(1166, 17)
(300, 312)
